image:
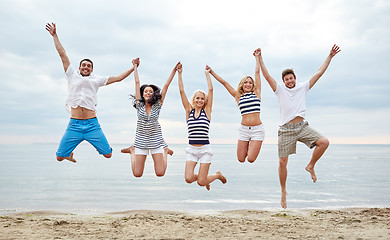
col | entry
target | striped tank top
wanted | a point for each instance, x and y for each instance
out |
(198, 128)
(148, 134)
(249, 103)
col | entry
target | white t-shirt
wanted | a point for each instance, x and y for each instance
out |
(292, 101)
(82, 90)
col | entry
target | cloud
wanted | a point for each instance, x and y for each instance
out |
(297, 34)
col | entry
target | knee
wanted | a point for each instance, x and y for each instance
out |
(108, 155)
(283, 162)
(202, 182)
(189, 179)
(137, 174)
(160, 173)
(60, 158)
(251, 160)
(323, 142)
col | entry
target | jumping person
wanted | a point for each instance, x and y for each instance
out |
(248, 97)
(148, 137)
(293, 127)
(81, 104)
(198, 116)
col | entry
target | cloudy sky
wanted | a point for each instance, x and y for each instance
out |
(350, 103)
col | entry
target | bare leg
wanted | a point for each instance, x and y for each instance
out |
(137, 161)
(204, 179)
(242, 150)
(160, 163)
(283, 179)
(321, 146)
(70, 158)
(137, 164)
(254, 149)
(189, 174)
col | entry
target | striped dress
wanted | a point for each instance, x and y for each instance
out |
(198, 128)
(148, 133)
(249, 103)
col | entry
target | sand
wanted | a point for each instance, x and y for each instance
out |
(367, 223)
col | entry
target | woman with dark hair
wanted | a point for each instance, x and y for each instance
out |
(148, 100)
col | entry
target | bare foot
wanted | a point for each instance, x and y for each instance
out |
(312, 173)
(283, 199)
(127, 150)
(221, 177)
(168, 151)
(70, 158)
(208, 187)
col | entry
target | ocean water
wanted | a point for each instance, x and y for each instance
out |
(348, 176)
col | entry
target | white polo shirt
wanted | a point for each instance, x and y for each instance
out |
(82, 91)
(292, 101)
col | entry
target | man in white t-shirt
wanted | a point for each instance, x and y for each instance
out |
(81, 104)
(293, 127)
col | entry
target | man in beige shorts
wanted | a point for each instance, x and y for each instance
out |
(293, 127)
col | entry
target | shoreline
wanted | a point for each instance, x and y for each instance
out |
(347, 223)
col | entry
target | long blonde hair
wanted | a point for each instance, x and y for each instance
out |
(239, 88)
(193, 98)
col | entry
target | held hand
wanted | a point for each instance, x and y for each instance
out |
(51, 28)
(135, 62)
(257, 52)
(207, 70)
(179, 67)
(335, 49)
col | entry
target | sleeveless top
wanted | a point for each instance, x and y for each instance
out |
(249, 103)
(198, 128)
(148, 133)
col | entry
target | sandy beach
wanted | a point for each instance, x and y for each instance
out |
(358, 223)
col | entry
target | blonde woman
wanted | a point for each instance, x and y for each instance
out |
(198, 116)
(248, 98)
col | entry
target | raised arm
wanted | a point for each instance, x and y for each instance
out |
(183, 96)
(52, 29)
(271, 81)
(256, 53)
(209, 105)
(167, 83)
(136, 79)
(228, 87)
(123, 75)
(335, 49)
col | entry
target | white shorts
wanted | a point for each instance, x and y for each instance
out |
(247, 133)
(141, 151)
(200, 154)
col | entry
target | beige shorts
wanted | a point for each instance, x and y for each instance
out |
(290, 133)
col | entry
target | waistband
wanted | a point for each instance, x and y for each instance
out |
(74, 120)
(294, 125)
(251, 127)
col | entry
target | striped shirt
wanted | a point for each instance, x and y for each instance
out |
(249, 103)
(148, 134)
(198, 128)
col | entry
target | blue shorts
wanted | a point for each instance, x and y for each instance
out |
(80, 130)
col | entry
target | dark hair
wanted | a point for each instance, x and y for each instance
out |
(88, 60)
(156, 94)
(286, 72)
